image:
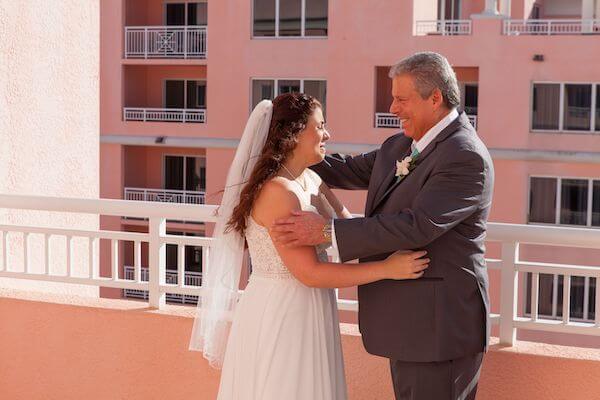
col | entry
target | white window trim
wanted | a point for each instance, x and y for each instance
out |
(185, 81)
(302, 24)
(164, 165)
(276, 85)
(558, 200)
(561, 111)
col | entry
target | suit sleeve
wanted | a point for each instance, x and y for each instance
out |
(452, 193)
(340, 171)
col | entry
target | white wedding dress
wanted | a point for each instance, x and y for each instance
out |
(285, 339)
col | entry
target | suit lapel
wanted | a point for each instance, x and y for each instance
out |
(385, 189)
(391, 175)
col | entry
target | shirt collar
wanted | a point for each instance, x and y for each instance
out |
(435, 130)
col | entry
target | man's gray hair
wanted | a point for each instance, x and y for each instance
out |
(430, 71)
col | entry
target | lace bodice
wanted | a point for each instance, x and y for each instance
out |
(265, 258)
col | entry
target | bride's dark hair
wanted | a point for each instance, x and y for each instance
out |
(291, 112)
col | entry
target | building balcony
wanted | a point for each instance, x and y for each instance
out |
(444, 27)
(191, 278)
(512, 369)
(165, 42)
(164, 195)
(513, 27)
(386, 120)
(188, 115)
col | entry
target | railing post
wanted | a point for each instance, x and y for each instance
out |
(508, 293)
(145, 44)
(185, 49)
(157, 229)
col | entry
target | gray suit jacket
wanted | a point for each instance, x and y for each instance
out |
(442, 206)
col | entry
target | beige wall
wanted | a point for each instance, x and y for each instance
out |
(49, 120)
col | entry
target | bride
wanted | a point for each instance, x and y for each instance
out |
(281, 339)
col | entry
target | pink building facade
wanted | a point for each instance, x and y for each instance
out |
(179, 78)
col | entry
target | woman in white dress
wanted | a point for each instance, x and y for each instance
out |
(284, 341)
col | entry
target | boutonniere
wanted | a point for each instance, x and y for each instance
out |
(404, 167)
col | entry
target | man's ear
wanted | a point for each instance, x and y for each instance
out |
(437, 98)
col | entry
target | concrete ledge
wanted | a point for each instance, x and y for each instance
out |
(70, 347)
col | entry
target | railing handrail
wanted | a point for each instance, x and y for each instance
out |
(550, 27)
(199, 27)
(549, 20)
(188, 110)
(445, 21)
(159, 190)
(497, 231)
(544, 235)
(111, 207)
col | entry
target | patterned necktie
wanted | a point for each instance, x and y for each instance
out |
(415, 153)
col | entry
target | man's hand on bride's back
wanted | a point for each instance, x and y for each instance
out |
(302, 228)
(406, 265)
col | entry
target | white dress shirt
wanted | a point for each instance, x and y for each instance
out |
(420, 145)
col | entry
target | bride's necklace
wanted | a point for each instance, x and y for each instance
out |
(294, 178)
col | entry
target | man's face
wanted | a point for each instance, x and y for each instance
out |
(417, 115)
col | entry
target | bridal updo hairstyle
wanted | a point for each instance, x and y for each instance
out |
(291, 112)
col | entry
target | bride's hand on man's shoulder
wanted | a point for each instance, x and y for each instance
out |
(406, 265)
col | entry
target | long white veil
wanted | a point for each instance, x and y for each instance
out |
(221, 277)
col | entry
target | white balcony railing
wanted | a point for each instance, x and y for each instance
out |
(191, 279)
(444, 27)
(516, 27)
(164, 195)
(510, 236)
(165, 42)
(385, 120)
(165, 114)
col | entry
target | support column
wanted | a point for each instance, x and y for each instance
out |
(587, 14)
(587, 9)
(491, 10)
(491, 7)
(505, 8)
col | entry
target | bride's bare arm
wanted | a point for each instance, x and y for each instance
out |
(277, 200)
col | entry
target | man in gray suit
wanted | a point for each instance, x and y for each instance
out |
(434, 329)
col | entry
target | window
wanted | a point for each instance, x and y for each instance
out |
(189, 94)
(469, 97)
(546, 107)
(565, 201)
(566, 107)
(186, 14)
(449, 9)
(542, 200)
(573, 202)
(290, 18)
(271, 88)
(597, 116)
(185, 173)
(577, 108)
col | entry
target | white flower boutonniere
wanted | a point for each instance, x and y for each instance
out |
(404, 167)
